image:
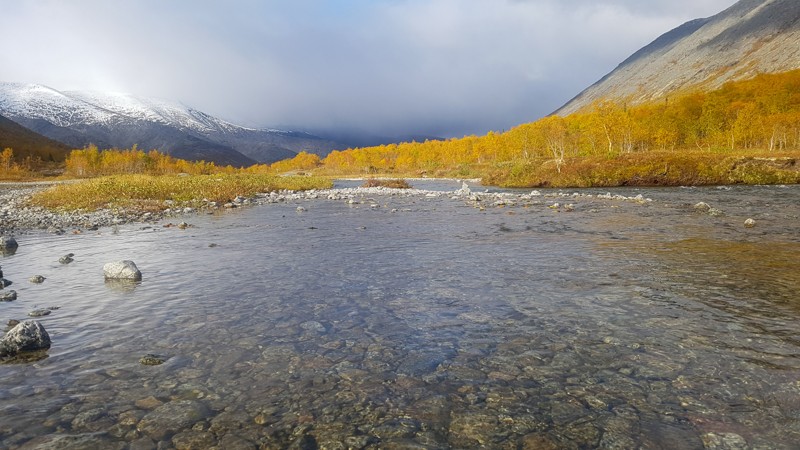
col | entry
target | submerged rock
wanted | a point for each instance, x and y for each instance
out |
(122, 270)
(5, 283)
(27, 336)
(66, 259)
(9, 296)
(172, 417)
(37, 279)
(151, 360)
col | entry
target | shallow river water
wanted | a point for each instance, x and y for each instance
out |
(422, 322)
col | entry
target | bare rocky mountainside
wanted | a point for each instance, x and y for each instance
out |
(751, 37)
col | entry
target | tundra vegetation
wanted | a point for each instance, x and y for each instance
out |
(134, 179)
(744, 132)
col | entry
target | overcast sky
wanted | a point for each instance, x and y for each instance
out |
(439, 67)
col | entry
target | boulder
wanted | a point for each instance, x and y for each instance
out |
(8, 243)
(122, 270)
(702, 207)
(27, 336)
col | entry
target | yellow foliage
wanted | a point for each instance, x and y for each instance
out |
(762, 113)
(91, 162)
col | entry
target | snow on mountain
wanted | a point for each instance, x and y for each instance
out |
(121, 120)
(40, 102)
(155, 110)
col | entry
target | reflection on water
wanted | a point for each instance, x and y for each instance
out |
(422, 323)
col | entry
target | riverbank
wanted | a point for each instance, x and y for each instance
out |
(18, 215)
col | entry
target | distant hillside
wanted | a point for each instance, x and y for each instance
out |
(751, 37)
(122, 120)
(26, 143)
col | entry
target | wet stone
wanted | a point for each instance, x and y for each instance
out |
(37, 279)
(74, 442)
(8, 296)
(66, 259)
(151, 359)
(39, 313)
(724, 441)
(172, 417)
(313, 325)
(190, 439)
(27, 336)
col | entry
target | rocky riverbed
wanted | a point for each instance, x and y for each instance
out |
(452, 318)
(18, 216)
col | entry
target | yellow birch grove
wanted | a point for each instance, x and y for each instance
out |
(762, 113)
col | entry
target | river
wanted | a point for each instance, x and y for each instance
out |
(423, 321)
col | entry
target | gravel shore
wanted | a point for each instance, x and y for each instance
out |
(17, 217)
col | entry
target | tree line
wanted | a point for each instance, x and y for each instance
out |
(762, 113)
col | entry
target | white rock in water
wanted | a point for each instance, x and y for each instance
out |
(749, 223)
(122, 270)
(702, 207)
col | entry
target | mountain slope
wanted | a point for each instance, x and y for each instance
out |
(750, 37)
(26, 143)
(122, 120)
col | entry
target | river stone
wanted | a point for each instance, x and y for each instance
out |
(5, 283)
(749, 223)
(702, 207)
(9, 296)
(37, 279)
(8, 243)
(172, 417)
(151, 360)
(122, 270)
(66, 259)
(25, 337)
(74, 442)
(39, 312)
(191, 439)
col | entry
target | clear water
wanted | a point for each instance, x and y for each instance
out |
(438, 325)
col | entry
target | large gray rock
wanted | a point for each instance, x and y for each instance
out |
(122, 270)
(27, 336)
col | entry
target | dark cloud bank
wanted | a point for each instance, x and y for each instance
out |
(435, 67)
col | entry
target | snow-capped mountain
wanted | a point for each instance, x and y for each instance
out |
(122, 120)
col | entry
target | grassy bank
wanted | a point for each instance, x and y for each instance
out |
(147, 192)
(678, 168)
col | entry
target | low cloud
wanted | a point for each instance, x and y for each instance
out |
(444, 67)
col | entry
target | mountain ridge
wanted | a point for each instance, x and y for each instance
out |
(750, 37)
(120, 120)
